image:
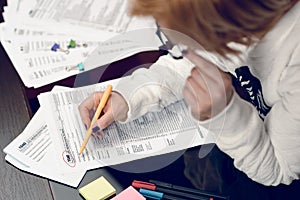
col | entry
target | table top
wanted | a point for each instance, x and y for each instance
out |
(17, 105)
(15, 113)
(14, 116)
(215, 172)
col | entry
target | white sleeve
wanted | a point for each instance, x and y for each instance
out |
(154, 88)
(267, 151)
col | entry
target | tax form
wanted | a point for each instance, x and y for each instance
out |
(32, 27)
(38, 65)
(104, 15)
(155, 133)
(32, 151)
(49, 147)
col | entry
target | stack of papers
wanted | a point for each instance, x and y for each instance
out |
(45, 38)
(49, 146)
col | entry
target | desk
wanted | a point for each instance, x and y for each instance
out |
(15, 113)
(14, 116)
(17, 104)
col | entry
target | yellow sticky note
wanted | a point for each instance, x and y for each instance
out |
(98, 189)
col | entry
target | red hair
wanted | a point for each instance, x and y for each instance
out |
(215, 23)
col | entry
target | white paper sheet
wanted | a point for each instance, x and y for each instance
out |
(71, 179)
(49, 147)
(33, 151)
(38, 65)
(103, 15)
(105, 22)
(157, 133)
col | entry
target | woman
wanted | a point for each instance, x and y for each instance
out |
(261, 134)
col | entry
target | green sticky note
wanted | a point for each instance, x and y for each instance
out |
(99, 189)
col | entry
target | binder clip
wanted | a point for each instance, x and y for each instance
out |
(80, 67)
(56, 47)
(73, 44)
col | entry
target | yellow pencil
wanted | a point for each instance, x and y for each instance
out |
(101, 105)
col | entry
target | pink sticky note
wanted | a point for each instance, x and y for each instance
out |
(129, 194)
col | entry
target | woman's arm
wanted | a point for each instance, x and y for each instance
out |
(154, 88)
(267, 151)
(145, 90)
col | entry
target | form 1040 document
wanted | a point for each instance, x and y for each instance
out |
(169, 130)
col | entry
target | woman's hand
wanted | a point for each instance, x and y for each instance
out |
(207, 90)
(115, 109)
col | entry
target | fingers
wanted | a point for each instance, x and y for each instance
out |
(87, 107)
(84, 110)
(104, 121)
(192, 91)
(208, 89)
(115, 109)
(97, 132)
(196, 96)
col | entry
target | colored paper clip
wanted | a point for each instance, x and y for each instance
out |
(142, 184)
(151, 194)
(56, 47)
(73, 44)
(80, 67)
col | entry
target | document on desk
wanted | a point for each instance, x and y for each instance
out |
(32, 151)
(38, 65)
(105, 23)
(155, 133)
(103, 15)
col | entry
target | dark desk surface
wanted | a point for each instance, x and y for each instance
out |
(15, 113)
(14, 116)
(17, 104)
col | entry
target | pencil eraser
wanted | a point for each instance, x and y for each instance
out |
(98, 189)
(129, 194)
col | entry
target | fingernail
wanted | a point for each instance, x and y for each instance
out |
(184, 51)
(95, 129)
